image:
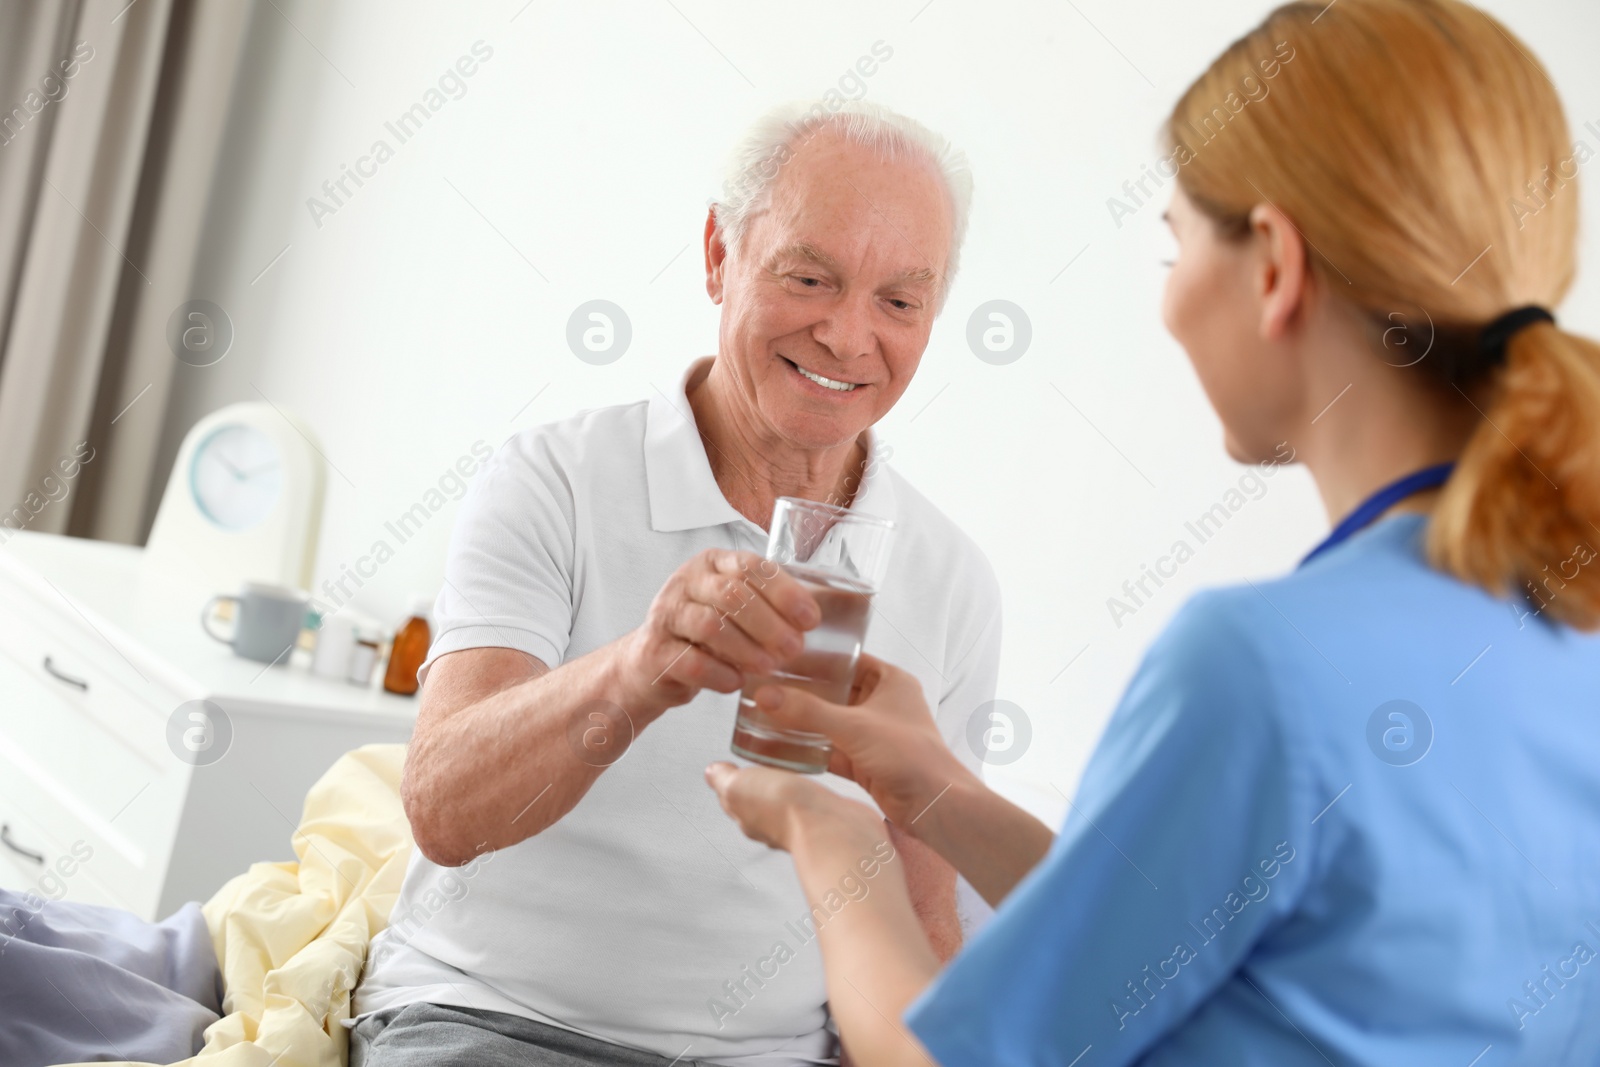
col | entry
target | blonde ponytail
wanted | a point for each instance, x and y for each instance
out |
(1521, 514)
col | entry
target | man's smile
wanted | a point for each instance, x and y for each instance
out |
(820, 381)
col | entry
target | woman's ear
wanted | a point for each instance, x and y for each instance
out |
(1282, 273)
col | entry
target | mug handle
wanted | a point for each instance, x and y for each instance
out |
(205, 616)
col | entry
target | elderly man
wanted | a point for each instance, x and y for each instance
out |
(575, 896)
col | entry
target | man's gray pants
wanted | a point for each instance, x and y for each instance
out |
(432, 1035)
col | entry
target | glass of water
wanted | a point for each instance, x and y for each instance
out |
(840, 557)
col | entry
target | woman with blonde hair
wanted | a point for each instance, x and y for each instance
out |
(1352, 814)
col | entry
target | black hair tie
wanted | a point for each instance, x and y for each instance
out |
(1493, 338)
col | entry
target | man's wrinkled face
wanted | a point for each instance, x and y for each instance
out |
(837, 279)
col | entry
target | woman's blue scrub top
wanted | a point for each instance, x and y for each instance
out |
(1350, 816)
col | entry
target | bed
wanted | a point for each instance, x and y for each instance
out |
(291, 937)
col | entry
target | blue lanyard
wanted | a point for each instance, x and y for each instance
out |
(1379, 502)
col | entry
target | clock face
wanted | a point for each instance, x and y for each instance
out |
(236, 477)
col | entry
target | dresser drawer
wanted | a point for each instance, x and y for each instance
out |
(72, 778)
(23, 857)
(33, 862)
(80, 667)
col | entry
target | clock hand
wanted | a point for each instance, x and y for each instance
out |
(224, 461)
(257, 470)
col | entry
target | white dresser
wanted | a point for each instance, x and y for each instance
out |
(97, 653)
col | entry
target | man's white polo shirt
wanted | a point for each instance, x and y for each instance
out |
(644, 917)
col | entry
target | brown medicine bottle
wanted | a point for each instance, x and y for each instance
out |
(409, 650)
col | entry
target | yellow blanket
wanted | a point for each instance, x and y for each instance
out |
(291, 937)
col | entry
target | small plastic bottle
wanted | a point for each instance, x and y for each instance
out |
(364, 655)
(410, 649)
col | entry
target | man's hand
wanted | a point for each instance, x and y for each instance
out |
(720, 616)
(502, 746)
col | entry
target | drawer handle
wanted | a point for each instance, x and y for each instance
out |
(69, 679)
(5, 839)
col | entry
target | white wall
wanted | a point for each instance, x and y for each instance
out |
(431, 309)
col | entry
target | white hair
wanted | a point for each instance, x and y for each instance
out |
(772, 140)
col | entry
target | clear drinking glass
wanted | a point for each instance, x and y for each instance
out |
(840, 557)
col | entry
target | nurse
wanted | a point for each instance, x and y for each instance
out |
(1350, 814)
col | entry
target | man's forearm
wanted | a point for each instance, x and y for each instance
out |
(505, 768)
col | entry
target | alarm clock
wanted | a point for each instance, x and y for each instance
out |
(243, 502)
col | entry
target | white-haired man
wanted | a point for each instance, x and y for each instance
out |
(576, 896)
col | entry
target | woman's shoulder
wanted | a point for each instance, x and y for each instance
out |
(1218, 628)
(1232, 664)
(1376, 579)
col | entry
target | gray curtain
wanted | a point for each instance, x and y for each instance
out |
(111, 116)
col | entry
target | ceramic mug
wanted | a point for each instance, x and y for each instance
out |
(267, 620)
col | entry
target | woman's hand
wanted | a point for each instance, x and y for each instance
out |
(875, 955)
(885, 739)
(781, 809)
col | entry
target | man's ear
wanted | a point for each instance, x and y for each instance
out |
(1282, 270)
(716, 256)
